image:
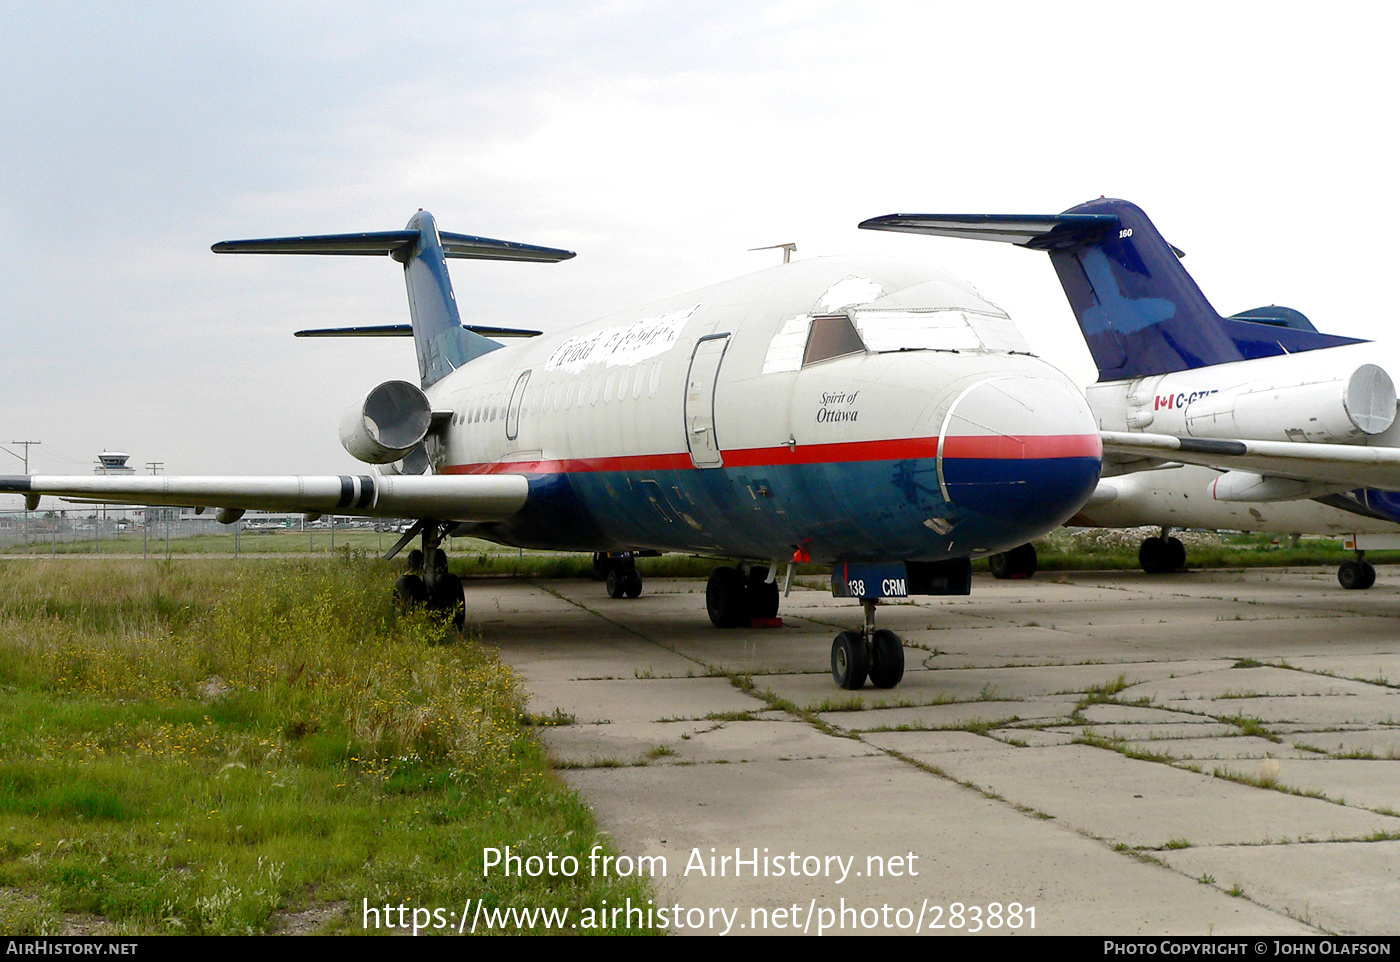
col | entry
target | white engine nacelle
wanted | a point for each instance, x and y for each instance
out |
(1247, 486)
(387, 424)
(1331, 410)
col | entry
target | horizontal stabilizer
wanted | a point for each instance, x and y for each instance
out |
(447, 498)
(399, 243)
(484, 248)
(406, 330)
(1042, 232)
(443, 344)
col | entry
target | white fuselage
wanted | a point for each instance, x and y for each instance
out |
(684, 402)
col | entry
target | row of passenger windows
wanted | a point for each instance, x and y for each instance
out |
(829, 336)
(574, 392)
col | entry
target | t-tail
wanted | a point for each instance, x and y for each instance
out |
(443, 344)
(1140, 311)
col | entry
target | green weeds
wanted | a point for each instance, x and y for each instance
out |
(204, 748)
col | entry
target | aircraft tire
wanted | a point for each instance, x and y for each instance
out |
(850, 662)
(447, 590)
(448, 596)
(1176, 554)
(616, 582)
(1152, 556)
(764, 597)
(1356, 575)
(632, 582)
(1019, 562)
(726, 598)
(439, 558)
(415, 561)
(409, 591)
(886, 659)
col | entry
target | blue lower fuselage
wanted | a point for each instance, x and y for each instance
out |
(910, 509)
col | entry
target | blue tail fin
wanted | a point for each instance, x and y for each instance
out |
(442, 343)
(1140, 311)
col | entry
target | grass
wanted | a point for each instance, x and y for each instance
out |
(1268, 780)
(1117, 549)
(1122, 747)
(1249, 726)
(1063, 550)
(208, 748)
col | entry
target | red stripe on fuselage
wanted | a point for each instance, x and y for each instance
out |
(991, 447)
(998, 446)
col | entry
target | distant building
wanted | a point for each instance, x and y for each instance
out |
(113, 462)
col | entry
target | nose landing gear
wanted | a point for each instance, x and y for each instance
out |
(1162, 555)
(1357, 575)
(1019, 562)
(872, 653)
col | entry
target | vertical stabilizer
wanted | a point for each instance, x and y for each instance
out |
(1139, 309)
(439, 339)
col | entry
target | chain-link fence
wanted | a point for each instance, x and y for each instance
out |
(165, 532)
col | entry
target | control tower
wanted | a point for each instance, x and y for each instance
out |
(113, 462)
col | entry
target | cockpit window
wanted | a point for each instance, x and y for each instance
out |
(831, 335)
(938, 330)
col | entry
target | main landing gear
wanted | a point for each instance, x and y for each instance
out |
(618, 569)
(1016, 563)
(428, 581)
(1162, 555)
(878, 655)
(734, 597)
(1358, 575)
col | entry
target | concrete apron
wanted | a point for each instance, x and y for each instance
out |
(1204, 753)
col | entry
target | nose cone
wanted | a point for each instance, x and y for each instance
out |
(1020, 451)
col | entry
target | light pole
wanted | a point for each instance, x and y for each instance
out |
(25, 459)
(155, 467)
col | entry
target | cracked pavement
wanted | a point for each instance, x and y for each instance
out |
(1212, 752)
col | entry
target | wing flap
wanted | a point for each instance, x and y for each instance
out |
(1355, 465)
(473, 498)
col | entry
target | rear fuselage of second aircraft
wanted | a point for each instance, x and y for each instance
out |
(851, 408)
(1309, 396)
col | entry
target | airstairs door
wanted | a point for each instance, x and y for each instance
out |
(700, 401)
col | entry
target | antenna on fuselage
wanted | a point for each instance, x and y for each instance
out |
(787, 249)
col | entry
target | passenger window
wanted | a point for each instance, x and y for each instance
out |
(831, 336)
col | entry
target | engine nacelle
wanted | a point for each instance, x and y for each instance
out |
(1247, 486)
(414, 462)
(390, 421)
(1335, 409)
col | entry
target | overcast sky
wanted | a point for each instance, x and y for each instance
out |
(659, 141)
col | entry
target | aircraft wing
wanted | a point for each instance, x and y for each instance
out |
(443, 497)
(1354, 465)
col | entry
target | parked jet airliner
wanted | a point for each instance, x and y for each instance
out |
(862, 412)
(1290, 430)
